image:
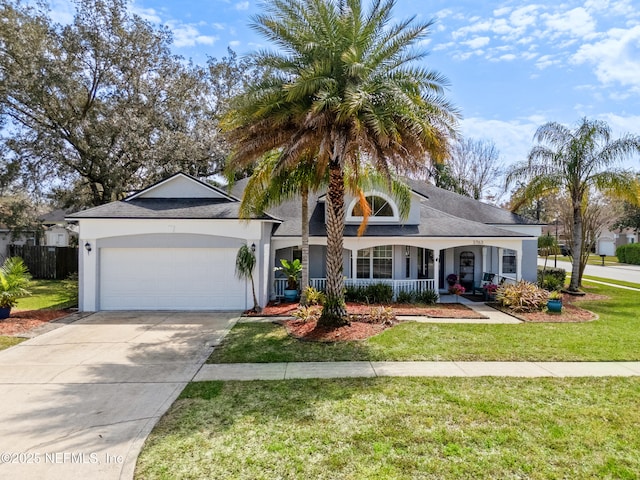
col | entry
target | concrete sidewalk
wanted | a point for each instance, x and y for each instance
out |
(285, 371)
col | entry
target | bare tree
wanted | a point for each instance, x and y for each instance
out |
(474, 167)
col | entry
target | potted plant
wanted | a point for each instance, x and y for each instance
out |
(456, 290)
(452, 279)
(490, 290)
(554, 303)
(292, 271)
(14, 280)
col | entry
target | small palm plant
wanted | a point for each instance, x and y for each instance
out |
(14, 283)
(245, 263)
(292, 271)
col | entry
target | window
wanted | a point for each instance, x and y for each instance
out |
(383, 210)
(509, 261)
(379, 207)
(376, 262)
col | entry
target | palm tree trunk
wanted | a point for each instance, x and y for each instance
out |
(334, 313)
(305, 242)
(576, 249)
(256, 307)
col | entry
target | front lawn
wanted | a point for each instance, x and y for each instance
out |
(51, 295)
(46, 295)
(615, 336)
(399, 428)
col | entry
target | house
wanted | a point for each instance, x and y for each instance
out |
(57, 231)
(173, 246)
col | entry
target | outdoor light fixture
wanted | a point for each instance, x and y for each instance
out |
(87, 246)
(253, 248)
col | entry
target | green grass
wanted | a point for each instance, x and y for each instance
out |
(586, 278)
(46, 295)
(593, 260)
(6, 342)
(50, 294)
(399, 428)
(615, 336)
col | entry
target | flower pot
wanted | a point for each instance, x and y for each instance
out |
(290, 295)
(554, 306)
(5, 312)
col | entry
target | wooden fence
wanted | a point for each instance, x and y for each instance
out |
(52, 263)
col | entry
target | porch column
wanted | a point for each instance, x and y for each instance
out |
(500, 262)
(436, 270)
(354, 263)
(518, 264)
(271, 277)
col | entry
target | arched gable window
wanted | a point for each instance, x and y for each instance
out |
(382, 209)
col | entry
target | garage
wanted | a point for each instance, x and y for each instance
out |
(171, 246)
(170, 279)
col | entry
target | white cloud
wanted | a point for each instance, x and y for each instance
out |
(499, 12)
(616, 58)
(508, 57)
(148, 14)
(513, 138)
(577, 22)
(477, 42)
(186, 35)
(234, 43)
(242, 6)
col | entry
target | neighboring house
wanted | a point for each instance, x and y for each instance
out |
(57, 231)
(7, 238)
(608, 240)
(173, 246)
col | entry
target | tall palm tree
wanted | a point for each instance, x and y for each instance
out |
(342, 85)
(574, 162)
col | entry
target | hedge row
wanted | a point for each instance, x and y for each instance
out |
(629, 253)
(554, 278)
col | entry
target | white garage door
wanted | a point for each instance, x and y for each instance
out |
(170, 279)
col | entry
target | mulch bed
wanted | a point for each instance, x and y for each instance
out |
(22, 321)
(308, 331)
(440, 310)
(571, 313)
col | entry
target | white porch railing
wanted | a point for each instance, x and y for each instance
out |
(417, 286)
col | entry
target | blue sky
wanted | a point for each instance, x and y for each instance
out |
(512, 65)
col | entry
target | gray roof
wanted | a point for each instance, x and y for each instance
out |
(442, 214)
(176, 208)
(465, 207)
(55, 216)
(433, 223)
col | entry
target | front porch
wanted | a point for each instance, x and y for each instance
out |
(406, 267)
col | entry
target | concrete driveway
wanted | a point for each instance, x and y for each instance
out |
(79, 401)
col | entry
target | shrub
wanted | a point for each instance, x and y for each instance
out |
(554, 278)
(456, 289)
(428, 297)
(405, 296)
(522, 297)
(551, 283)
(629, 253)
(353, 293)
(379, 293)
(383, 315)
(308, 314)
(313, 296)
